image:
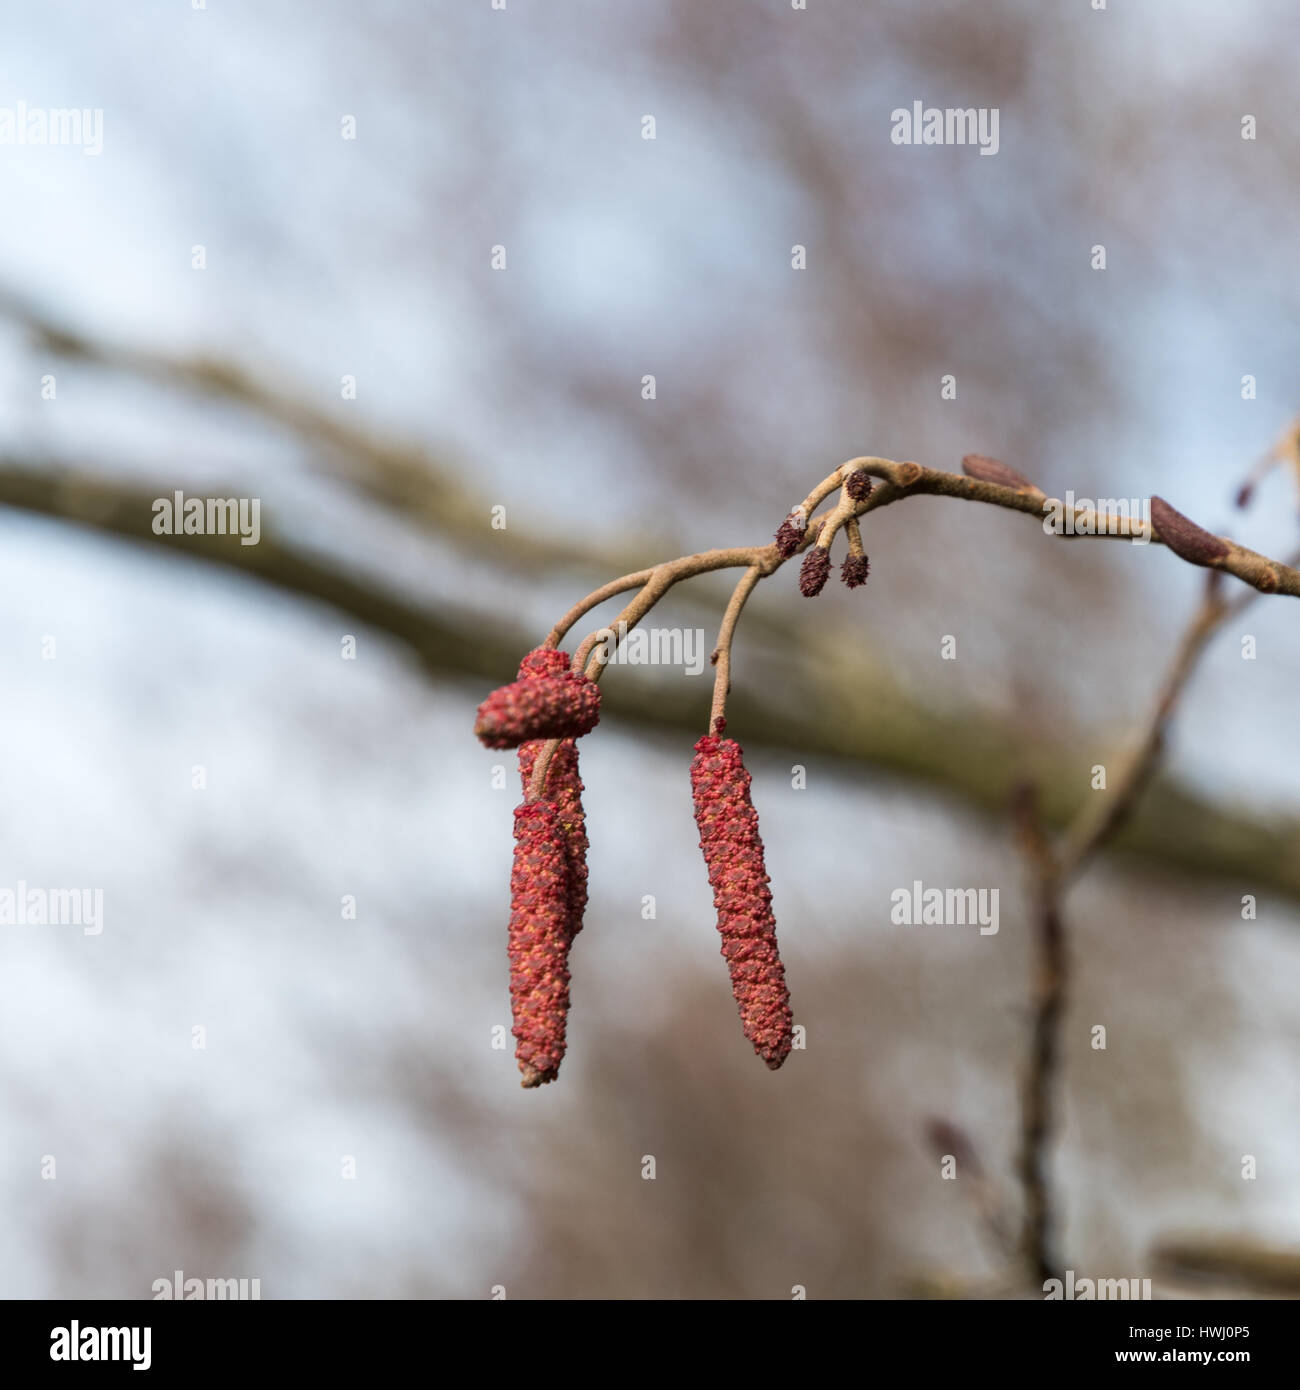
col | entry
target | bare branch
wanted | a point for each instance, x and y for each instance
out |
(965, 754)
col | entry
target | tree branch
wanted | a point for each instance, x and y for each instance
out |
(854, 717)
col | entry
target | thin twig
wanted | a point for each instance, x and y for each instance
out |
(1101, 817)
(722, 652)
(594, 600)
(911, 480)
(1052, 871)
(1048, 999)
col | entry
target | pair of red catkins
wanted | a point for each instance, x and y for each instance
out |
(548, 883)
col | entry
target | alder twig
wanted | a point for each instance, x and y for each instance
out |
(1048, 1002)
(594, 600)
(1053, 869)
(722, 652)
(961, 752)
(912, 480)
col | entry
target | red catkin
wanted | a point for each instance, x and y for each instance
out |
(733, 851)
(814, 571)
(549, 700)
(539, 942)
(564, 791)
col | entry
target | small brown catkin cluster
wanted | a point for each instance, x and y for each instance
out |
(549, 700)
(814, 571)
(733, 851)
(859, 484)
(790, 533)
(854, 570)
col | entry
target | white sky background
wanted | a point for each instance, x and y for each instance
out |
(325, 257)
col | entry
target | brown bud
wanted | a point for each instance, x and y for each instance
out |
(989, 470)
(814, 572)
(946, 1138)
(1184, 537)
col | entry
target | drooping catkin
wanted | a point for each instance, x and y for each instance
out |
(733, 851)
(564, 790)
(539, 942)
(549, 700)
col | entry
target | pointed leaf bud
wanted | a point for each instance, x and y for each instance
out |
(1184, 537)
(989, 470)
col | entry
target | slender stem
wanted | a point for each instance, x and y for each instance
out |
(1052, 869)
(899, 480)
(594, 600)
(1102, 817)
(1051, 973)
(722, 652)
(911, 479)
